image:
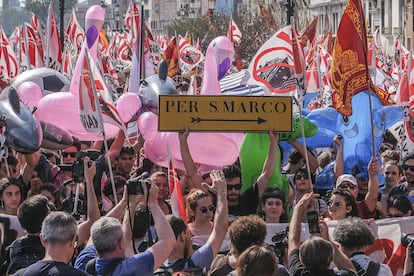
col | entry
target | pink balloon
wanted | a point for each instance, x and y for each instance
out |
(95, 16)
(128, 105)
(220, 53)
(213, 150)
(62, 110)
(148, 125)
(29, 94)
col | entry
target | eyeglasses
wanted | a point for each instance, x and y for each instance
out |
(301, 176)
(204, 210)
(66, 154)
(347, 186)
(335, 203)
(406, 167)
(236, 186)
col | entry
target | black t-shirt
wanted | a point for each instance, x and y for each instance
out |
(248, 203)
(51, 268)
(24, 252)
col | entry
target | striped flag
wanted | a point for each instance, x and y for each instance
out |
(54, 47)
(234, 33)
(9, 67)
(93, 88)
(90, 114)
(177, 199)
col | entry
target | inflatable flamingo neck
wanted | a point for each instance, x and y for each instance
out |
(211, 84)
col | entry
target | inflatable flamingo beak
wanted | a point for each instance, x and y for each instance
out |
(23, 132)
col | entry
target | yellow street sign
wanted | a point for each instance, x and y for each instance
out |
(225, 113)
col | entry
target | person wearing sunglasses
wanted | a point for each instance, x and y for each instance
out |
(247, 203)
(406, 185)
(302, 186)
(341, 205)
(399, 206)
(200, 212)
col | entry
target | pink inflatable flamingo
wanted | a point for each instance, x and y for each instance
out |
(61, 108)
(94, 20)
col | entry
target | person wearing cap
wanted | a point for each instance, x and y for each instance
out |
(367, 206)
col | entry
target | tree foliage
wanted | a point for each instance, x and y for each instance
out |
(40, 8)
(254, 28)
(19, 17)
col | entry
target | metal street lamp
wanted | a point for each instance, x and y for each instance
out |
(211, 7)
(117, 17)
(61, 15)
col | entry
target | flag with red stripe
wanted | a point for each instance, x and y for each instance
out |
(90, 115)
(54, 47)
(234, 33)
(177, 199)
(9, 67)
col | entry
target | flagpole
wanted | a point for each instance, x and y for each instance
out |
(29, 66)
(108, 158)
(302, 127)
(365, 47)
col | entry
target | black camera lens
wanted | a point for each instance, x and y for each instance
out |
(406, 239)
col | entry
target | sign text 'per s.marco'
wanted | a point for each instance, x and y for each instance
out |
(225, 113)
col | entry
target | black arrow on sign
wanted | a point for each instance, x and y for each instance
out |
(198, 120)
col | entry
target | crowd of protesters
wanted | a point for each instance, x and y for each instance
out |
(84, 211)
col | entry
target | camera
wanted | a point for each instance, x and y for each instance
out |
(406, 239)
(77, 166)
(134, 184)
(280, 244)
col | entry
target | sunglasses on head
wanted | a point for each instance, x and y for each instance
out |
(335, 203)
(66, 154)
(406, 167)
(347, 186)
(204, 210)
(236, 186)
(301, 176)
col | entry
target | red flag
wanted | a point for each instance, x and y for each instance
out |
(270, 20)
(171, 56)
(32, 47)
(349, 68)
(177, 199)
(310, 32)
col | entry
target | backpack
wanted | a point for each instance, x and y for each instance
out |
(22, 253)
(373, 269)
(109, 269)
(179, 266)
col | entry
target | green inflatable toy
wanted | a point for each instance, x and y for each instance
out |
(254, 150)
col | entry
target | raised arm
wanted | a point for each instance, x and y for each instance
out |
(339, 160)
(92, 203)
(166, 238)
(116, 146)
(304, 204)
(339, 258)
(269, 164)
(313, 162)
(373, 185)
(194, 177)
(219, 187)
(128, 222)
